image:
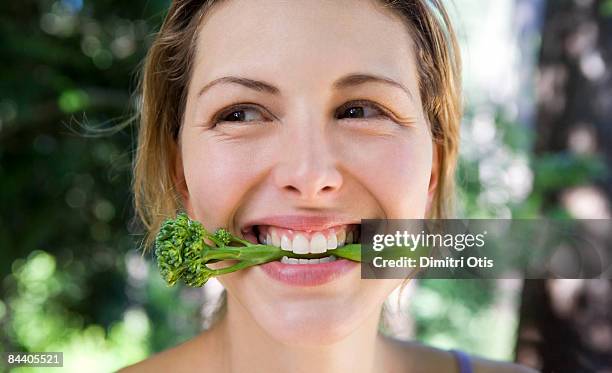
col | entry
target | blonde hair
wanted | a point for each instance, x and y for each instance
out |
(167, 73)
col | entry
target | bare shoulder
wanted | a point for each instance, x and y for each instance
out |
(415, 357)
(180, 358)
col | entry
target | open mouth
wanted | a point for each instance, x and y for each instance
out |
(307, 247)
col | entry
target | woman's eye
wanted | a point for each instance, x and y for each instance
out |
(360, 110)
(241, 114)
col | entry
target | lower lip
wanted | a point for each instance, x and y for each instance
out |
(308, 274)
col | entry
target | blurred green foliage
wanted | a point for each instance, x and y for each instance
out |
(499, 176)
(72, 278)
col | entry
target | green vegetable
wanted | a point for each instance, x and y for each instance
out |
(184, 248)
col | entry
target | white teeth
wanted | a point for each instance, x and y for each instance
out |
(341, 238)
(300, 244)
(327, 259)
(305, 243)
(318, 244)
(285, 244)
(332, 242)
(275, 239)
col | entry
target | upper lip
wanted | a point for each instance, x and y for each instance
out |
(304, 223)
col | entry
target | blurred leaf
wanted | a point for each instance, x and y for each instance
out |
(605, 9)
(562, 170)
(73, 100)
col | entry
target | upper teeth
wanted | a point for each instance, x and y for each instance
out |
(307, 242)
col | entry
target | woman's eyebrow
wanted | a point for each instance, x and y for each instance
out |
(256, 85)
(352, 80)
(347, 81)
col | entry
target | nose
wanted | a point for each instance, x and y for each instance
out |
(308, 169)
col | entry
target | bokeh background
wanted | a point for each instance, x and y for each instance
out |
(536, 141)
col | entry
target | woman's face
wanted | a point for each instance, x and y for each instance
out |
(302, 118)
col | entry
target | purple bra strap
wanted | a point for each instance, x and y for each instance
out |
(463, 360)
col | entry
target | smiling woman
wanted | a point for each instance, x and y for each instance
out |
(287, 122)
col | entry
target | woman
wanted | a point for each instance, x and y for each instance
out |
(289, 121)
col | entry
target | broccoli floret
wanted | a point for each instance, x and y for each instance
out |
(224, 236)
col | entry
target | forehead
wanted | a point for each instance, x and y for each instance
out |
(295, 42)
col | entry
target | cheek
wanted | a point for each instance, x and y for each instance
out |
(217, 176)
(397, 172)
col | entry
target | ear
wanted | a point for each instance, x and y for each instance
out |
(178, 179)
(434, 178)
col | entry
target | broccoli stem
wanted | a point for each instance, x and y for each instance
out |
(268, 252)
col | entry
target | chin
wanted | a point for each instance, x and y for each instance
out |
(309, 327)
(308, 317)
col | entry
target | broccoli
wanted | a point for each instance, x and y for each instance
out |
(184, 248)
